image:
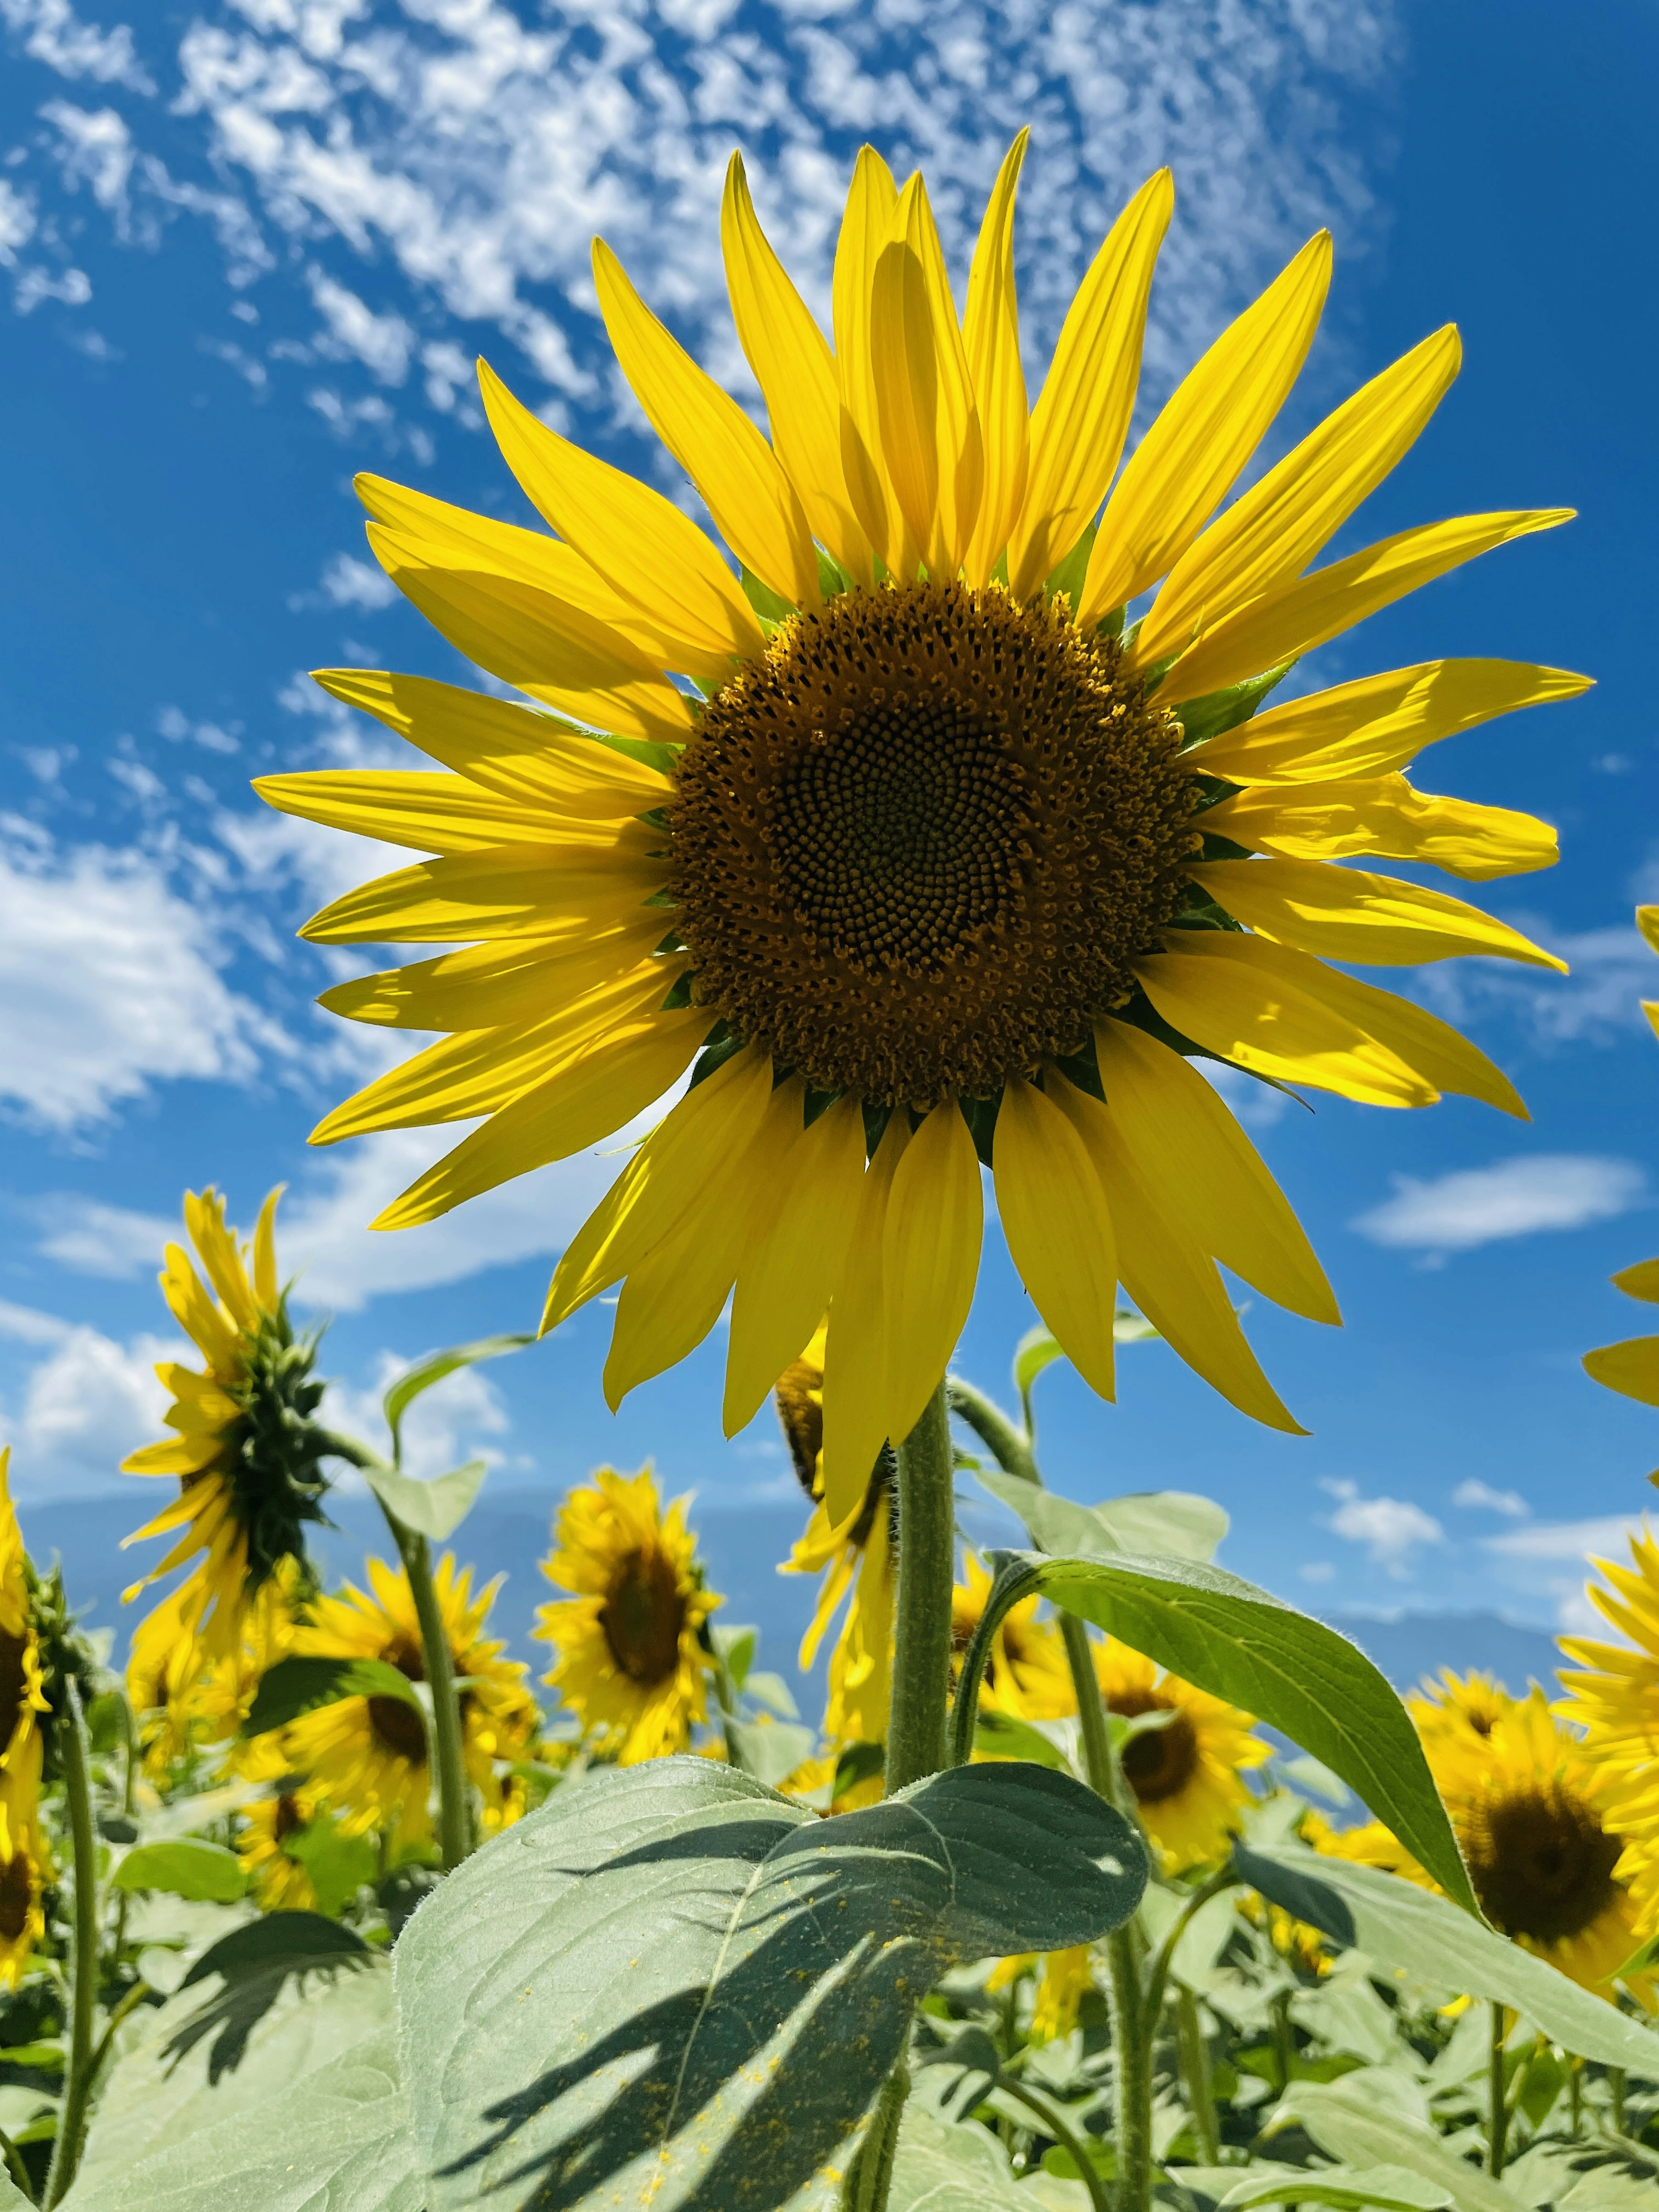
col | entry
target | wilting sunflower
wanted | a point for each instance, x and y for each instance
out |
(1027, 1676)
(281, 1883)
(631, 1664)
(1064, 1979)
(1454, 1707)
(1615, 1699)
(1187, 1776)
(248, 1453)
(858, 1556)
(937, 858)
(23, 1857)
(365, 1759)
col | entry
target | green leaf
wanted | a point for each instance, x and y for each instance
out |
(433, 1369)
(769, 1750)
(1398, 1924)
(1394, 2188)
(720, 2052)
(952, 2169)
(300, 1684)
(435, 1509)
(1346, 2119)
(999, 1735)
(47, 2055)
(1238, 1643)
(338, 1866)
(203, 1872)
(1176, 1522)
(772, 1691)
(1035, 1350)
(736, 1647)
(1130, 1328)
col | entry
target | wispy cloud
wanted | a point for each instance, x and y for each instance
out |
(1472, 1207)
(1477, 1496)
(1391, 1529)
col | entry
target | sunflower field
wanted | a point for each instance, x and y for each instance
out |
(945, 831)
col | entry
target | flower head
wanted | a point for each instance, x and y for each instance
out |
(1027, 1675)
(629, 1661)
(281, 1883)
(186, 1700)
(25, 1862)
(904, 833)
(246, 1452)
(1453, 1708)
(1612, 1693)
(1187, 1774)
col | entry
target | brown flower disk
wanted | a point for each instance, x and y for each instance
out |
(1540, 1862)
(917, 845)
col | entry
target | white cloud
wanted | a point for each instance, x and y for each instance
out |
(18, 222)
(443, 1427)
(53, 33)
(1555, 1541)
(178, 729)
(1552, 1559)
(349, 582)
(1475, 1496)
(1473, 1206)
(84, 1406)
(381, 342)
(1598, 1004)
(1390, 1528)
(72, 290)
(97, 151)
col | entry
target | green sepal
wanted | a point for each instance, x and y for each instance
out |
(1218, 711)
(716, 1052)
(1068, 576)
(833, 579)
(771, 606)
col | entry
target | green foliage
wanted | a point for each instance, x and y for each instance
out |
(434, 1368)
(204, 1873)
(435, 1508)
(299, 1684)
(1178, 1522)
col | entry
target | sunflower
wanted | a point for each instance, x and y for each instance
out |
(920, 852)
(23, 1857)
(280, 1883)
(185, 1701)
(858, 1556)
(365, 1759)
(1615, 1699)
(1187, 1776)
(1064, 1979)
(630, 1661)
(247, 1453)
(1454, 1707)
(1028, 1675)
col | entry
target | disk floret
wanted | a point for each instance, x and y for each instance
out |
(1540, 1859)
(924, 838)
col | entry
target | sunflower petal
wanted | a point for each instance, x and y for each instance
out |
(796, 372)
(639, 542)
(752, 502)
(266, 1287)
(1641, 1281)
(1280, 524)
(1213, 1176)
(1346, 913)
(1170, 1277)
(855, 1393)
(1082, 414)
(511, 890)
(1059, 1228)
(930, 1260)
(1294, 617)
(497, 986)
(866, 229)
(585, 1101)
(990, 337)
(193, 1310)
(401, 806)
(1631, 1368)
(205, 1218)
(1384, 817)
(1178, 474)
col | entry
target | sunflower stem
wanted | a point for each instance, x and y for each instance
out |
(454, 1821)
(74, 1758)
(1056, 2124)
(1195, 2073)
(1132, 2074)
(19, 2172)
(926, 1572)
(1009, 1448)
(871, 2180)
(1497, 2106)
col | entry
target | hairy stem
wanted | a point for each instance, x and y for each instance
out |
(926, 1570)
(871, 2178)
(1010, 1450)
(1132, 2069)
(19, 2172)
(1056, 2124)
(84, 1988)
(454, 1810)
(1498, 2100)
(1196, 2074)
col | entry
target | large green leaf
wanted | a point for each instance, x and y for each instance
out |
(1348, 2122)
(300, 1684)
(1399, 1924)
(1240, 1643)
(669, 1985)
(204, 1873)
(433, 1369)
(1348, 2189)
(941, 2168)
(434, 1509)
(769, 1751)
(1176, 1523)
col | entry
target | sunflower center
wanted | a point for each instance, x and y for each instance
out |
(643, 1616)
(395, 1722)
(1540, 1862)
(13, 1681)
(1160, 1762)
(917, 845)
(16, 1896)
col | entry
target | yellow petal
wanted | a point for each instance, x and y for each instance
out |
(585, 1102)
(752, 502)
(717, 1118)
(476, 1071)
(867, 226)
(790, 1266)
(538, 644)
(1295, 617)
(1347, 914)
(1209, 986)
(267, 1286)
(932, 447)
(205, 1218)
(195, 1312)
(495, 986)
(1631, 1368)
(505, 747)
(1059, 1228)
(1384, 817)
(1171, 1279)
(1193, 1150)
(513, 890)
(1379, 723)
(434, 813)
(990, 337)
(1082, 413)
(1647, 921)
(1271, 533)
(177, 1456)
(855, 1423)
(796, 372)
(640, 543)
(1641, 1281)
(930, 1260)
(1178, 474)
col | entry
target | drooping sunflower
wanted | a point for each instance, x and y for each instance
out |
(631, 1664)
(1187, 1776)
(905, 833)
(1612, 1693)
(365, 1759)
(248, 1453)
(1027, 1675)
(1454, 1707)
(24, 1861)
(857, 1557)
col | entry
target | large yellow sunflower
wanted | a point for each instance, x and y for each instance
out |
(185, 1700)
(365, 1759)
(1187, 1776)
(629, 1661)
(1613, 1694)
(1027, 1675)
(1453, 1708)
(858, 1556)
(246, 1452)
(929, 854)
(24, 1863)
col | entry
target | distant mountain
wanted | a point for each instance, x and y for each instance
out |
(1413, 1644)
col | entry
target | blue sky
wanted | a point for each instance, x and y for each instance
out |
(250, 249)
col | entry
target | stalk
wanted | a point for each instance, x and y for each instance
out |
(871, 2178)
(1056, 2124)
(1497, 2104)
(926, 1570)
(1284, 2040)
(1132, 2070)
(1195, 2073)
(84, 1988)
(454, 1811)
